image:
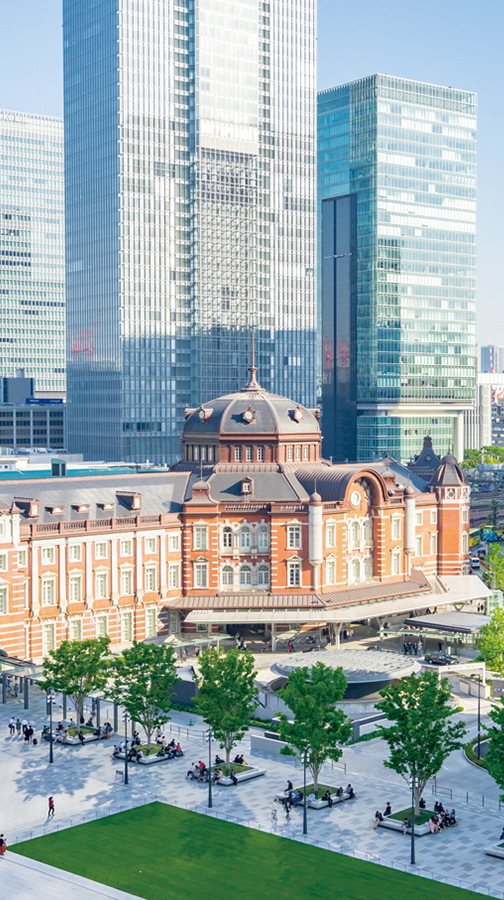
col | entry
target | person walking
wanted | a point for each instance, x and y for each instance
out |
(18, 727)
(274, 811)
(3, 845)
(12, 727)
(50, 808)
(287, 807)
(24, 724)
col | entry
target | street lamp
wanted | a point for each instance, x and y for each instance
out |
(126, 720)
(413, 820)
(305, 821)
(50, 698)
(479, 717)
(210, 804)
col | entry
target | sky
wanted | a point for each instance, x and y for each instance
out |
(449, 42)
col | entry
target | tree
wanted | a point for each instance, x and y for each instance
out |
(494, 757)
(490, 642)
(319, 728)
(472, 459)
(422, 735)
(493, 516)
(142, 683)
(227, 695)
(76, 669)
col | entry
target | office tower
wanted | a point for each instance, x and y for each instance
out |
(32, 258)
(190, 204)
(492, 358)
(397, 257)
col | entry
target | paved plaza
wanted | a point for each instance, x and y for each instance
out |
(84, 784)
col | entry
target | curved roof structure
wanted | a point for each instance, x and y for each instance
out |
(251, 412)
(449, 473)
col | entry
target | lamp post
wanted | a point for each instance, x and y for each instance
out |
(50, 698)
(479, 717)
(413, 820)
(305, 821)
(126, 720)
(210, 803)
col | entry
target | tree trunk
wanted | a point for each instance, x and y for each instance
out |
(78, 700)
(315, 770)
(417, 794)
(228, 758)
(149, 736)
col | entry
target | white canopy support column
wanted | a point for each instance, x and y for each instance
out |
(337, 631)
(273, 637)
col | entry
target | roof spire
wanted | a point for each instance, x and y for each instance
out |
(253, 384)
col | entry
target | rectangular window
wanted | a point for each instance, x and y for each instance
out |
(174, 576)
(150, 545)
(331, 571)
(150, 579)
(125, 548)
(419, 517)
(433, 543)
(200, 575)
(330, 534)
(47, 556)
(174, 624)
(200, 537)
(22, 558)
(48, 643)
(238, 454)
(127, 627)
(3, 562)
(260, 454)
(465, 542)
(47, 592)
(101, 626)
(26, 594)
(433, 516)
(76, 630)
(306, 452)
(298, 453)
(419, 546)
(293, 574)
(465, 515)
(396, 563)
(75, 589)
(174, 542)
(101, 551)
(74, 552)
(396, 528)
(294, 537)
(150, 622)
(101, 585)
(3, 600)
(249, 454)
(126, 582)
(290, 453)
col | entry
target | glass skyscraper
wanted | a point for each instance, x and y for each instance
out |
(32, 253)
(397, 265)
(191, 210)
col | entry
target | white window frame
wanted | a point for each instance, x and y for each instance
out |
(433, 543)
(465, 515)
(124, 544)
(75, 552)
(260, 454)
(124, 574)
(331, 570)
(263, 539)
(200, 537)
(419, 545)
(290, 453)
(354, 571)
(101, 549)
(75, 625)
(47, 556)
(246, 581)
(227, 578)
(306, 452)
(396, 562)
(330, 532)
(419, 517)
(263, 577)
(294, 537)
(238, 454)
(173, 542)
(48, 630)
(200, 574)
(150, 575)
(3, 562)
(101, 632)
(151, 622)
(395, 528)
(4, 599)
(150, 545)
(294, 573)
(127, 617)
(465, 542)
(298, 454)
(174, 576)
(22, 559)
(245, 538)
(45, 584)
(249, 454)
(368, 565)
(227, 538)
(433, 516)
(99, 576)
(74, 580)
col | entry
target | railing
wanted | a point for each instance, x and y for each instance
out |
(100, 523)
(150, 520)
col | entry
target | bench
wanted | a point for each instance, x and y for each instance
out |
(242, 776)
(318, 804)
(396, 825)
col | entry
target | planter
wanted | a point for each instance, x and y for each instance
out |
(396, 825)
(495, 850)
(74, 741)
(242, 776)
(146, 760)
(317, 804)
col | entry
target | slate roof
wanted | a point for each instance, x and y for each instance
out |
(273, 415)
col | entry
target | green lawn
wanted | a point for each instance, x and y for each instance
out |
(319, 793)
(423, 816)
(159, 851)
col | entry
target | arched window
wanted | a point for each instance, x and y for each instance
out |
(262, 539)
(354, 534)
(245, 576)
(245, 539)
(227, 538)
(354, 571)
(227, 578)
(368, 568)
(263, 576)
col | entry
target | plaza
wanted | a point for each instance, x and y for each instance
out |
(87, 786)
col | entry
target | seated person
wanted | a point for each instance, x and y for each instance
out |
(453, 820)
(139, 755)
(216, 775)
(297, 798)
(327, 796)
(80, 736)
(97, 731)
(341, 791)
(219, 761)
(388, 809)
(191, 772)
(378, 818)
(350, 791)
(178, 749)
(89, 723)
(422, 803)
(433, 825)
(406, 825)
(233, 777)
(172, 744)
(312, 795)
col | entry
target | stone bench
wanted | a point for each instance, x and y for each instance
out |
(71, 741)
(146, 760)
(495, 850)
(396, 825)
(318, 804)
(242, 776)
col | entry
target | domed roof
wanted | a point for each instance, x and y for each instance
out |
(448, 473)
(251, 412)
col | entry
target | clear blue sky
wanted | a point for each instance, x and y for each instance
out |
(453, 42)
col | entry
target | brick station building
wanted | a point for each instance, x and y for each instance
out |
(252, 527)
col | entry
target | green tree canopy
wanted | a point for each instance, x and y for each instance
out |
(143, 679)
(490, 642)
(77, 668)
(494, 757)
(319, 728)
(494, 514)
(227, 695)
(422, 734)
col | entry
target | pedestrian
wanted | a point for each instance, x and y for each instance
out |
(274, 810)
(24, 724)
(50, 810)
(12, 727)
(415, 649)
(3, 845)
(419, 648)
(287, 809)
(18, 727)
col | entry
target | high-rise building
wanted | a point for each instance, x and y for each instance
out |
(190, 205)
(397, 264)
(32, 257)
(492, 358)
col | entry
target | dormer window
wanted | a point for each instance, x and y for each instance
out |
(55, 510)
(106, 504)
(249, 415)
(81, 507)
(204, 414)
(247, 486)
(297, 414)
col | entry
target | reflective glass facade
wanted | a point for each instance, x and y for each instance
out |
(32, 252)
(406, 153)
(190, 158)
